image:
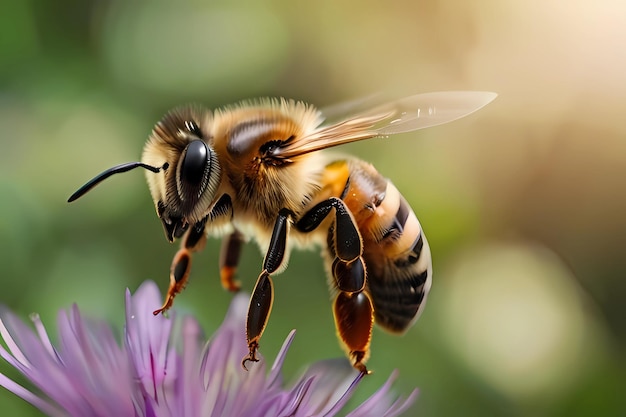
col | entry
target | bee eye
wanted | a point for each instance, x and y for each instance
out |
(197, 178)
(194, 165)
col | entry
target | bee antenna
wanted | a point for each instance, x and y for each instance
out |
(113, 170)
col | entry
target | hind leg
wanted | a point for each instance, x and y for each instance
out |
(352, 309)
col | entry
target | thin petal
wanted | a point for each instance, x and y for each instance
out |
(147, 342)
(43, 335)
(345, 397)
(334, 383)
(295, 398)
(274, 378)
(147, 336)
(17, 336)
(379, 404)
(36, 364)
(96, 369)
(31, 398)
(230, 389)
(401, 405)
(14, 355)
(188, 388)
(74, 383)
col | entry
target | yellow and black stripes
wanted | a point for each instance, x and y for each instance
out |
(395, 251)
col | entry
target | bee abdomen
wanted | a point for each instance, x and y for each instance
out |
(395, 250)
(399, 287)
(398, 262)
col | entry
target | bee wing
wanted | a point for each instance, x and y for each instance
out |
(432, 109)
(404, 115)
(338, 112)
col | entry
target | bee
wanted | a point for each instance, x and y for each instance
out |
(257, 170)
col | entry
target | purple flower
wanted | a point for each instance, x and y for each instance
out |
(90, 374)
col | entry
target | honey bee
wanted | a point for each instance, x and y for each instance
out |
(256, 170)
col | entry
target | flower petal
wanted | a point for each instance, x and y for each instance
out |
(335, 381)
(230, 389)
(274, 378)
(90, 374)
(97, 378)
(379, 404)
(147, 343)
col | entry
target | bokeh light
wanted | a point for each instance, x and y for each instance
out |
(515, 315)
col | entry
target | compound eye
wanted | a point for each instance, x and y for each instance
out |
(197, 178)
(195, 163)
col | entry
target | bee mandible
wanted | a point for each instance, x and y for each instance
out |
(257, 170)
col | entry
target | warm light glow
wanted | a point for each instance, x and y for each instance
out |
(515, 315)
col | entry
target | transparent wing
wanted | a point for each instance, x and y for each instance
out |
(403, 115)
(432, 109)
(337, 112)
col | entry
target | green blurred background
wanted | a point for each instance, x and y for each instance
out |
(523, 202)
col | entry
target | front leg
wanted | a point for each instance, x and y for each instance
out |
(193, 241)
(263, 295)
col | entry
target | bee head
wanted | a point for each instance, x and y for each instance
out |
(183, 171)
(184, 193)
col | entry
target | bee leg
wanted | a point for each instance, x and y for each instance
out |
(194, 240)
(350, 245)
(354, 319)
(263, 294)
(229, 259)
(258, 314)
(353, 309)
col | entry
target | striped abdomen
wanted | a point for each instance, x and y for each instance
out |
(395, 250)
